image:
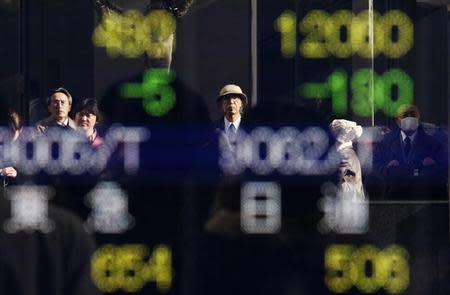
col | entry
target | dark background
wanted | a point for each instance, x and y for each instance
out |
(47, 43)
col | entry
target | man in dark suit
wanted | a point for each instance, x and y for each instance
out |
(54, 263)
(412, 163)
(232, 102)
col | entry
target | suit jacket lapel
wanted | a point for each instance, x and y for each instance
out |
(415, 146)
(397, 148)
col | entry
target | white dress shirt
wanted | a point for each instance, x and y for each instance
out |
(63, 124)
(227, 124)
(411, 137)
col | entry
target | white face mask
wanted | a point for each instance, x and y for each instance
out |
(409, 124)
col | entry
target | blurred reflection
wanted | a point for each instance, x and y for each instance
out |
(87, 117)
(109, 213)
(9, 172)
(412, 163)
(350, 175)
(59, 104)
(36, 263)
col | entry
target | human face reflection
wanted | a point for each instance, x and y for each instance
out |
(232, 106)
(59, 107)
(86, 120)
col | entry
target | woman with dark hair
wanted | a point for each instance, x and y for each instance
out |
(87, 116)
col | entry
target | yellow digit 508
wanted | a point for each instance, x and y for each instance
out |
(367, 268)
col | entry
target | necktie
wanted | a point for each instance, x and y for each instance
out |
(407, 147)
(232, 133)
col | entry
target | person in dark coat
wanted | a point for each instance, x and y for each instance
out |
(52, 263)
(232, 102)
(412, 163)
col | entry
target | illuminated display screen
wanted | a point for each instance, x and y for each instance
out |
(132, 34)
(356, 61)
(179, 147)
(346, 267)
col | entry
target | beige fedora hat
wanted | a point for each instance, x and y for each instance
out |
(232, 89)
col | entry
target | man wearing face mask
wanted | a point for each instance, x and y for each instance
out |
(412, 163)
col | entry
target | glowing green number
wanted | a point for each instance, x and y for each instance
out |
(383, 93)
(315, 90)
(366, 87)
(158, 97)
(341, 19)
(313, 46)
(361, 85)
(286, 24)
(156, 83)
(337, 84)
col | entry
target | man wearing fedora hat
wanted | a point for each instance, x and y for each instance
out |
(232, 102)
